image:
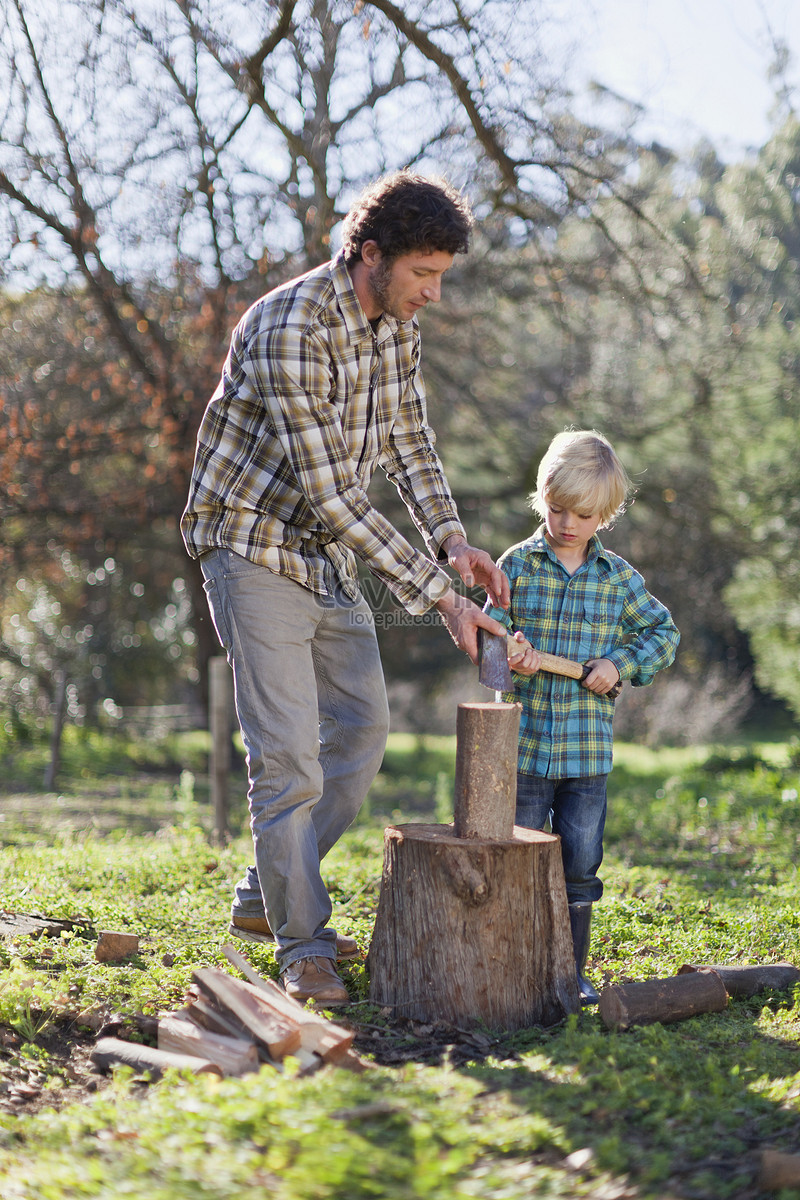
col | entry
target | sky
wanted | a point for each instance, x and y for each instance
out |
(699, 66)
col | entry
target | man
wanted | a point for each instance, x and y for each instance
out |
(322, 384)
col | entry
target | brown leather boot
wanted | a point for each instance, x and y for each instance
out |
(314, 979)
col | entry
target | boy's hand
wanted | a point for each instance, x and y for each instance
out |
(524, 660)
(602, 676)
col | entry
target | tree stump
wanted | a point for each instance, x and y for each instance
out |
(473, 930)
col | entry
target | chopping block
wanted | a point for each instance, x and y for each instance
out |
(473, 925)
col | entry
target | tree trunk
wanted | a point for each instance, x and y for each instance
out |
(663, 1000)
(472, 930)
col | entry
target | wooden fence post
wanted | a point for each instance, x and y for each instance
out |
(219, 711)
(59, 710)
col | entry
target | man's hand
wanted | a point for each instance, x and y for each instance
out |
(602, 676)
(463, 618)
(477, 569)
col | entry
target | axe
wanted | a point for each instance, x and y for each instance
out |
(494, 672)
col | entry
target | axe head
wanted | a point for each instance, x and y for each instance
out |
(493, 671)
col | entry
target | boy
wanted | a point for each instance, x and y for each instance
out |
(570, 596)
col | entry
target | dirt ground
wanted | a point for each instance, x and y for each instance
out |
(70, 1076)
(65, 1074)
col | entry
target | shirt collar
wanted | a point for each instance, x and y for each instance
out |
(596, 550)
(355, 318)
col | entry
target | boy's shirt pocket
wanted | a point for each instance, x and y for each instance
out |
(601, 624)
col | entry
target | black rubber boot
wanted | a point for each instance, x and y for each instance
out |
(580, 919)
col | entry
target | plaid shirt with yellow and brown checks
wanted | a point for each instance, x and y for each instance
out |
(310, 401)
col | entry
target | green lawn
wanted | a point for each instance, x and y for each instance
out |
(701, 856)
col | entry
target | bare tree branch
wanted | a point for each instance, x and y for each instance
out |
(488, 137)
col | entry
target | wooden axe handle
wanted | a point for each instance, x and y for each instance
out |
(555, 665)
(563, 666)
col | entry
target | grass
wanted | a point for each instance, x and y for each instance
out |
(701, 854)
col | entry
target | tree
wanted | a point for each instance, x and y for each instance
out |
(162, 163)
(755, 454)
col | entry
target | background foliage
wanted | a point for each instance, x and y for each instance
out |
(163, 162)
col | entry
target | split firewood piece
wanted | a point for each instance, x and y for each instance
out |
(112, 1051)
(208, 1016)
(352, 1061)
(113, 947)
(778, 1171)
(317, 1034)
(663, 1000)
(233, 1056)
(749, 981)
(277, 1035)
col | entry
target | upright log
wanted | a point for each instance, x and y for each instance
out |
(486, 770)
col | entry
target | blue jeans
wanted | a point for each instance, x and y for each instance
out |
(312, 708)
(577, 812)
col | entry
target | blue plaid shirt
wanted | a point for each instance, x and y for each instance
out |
(602, 611)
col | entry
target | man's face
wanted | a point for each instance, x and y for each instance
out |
(406, 285)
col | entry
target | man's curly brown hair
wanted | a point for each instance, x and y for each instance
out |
(404, 213)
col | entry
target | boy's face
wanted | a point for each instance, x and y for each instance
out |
(568, 530)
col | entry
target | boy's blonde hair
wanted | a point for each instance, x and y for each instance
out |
(580, 471)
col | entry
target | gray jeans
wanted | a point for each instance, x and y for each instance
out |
(311, 703)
